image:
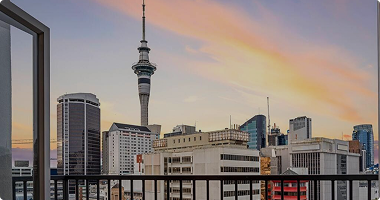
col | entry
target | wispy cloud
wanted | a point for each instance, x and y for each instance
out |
(191, 99)
(298, 71)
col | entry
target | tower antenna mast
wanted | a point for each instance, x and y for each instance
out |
(143, 21)
(268, 119)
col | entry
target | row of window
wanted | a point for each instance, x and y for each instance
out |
(189, 139)
(185, 159)
(239, 169)
(290, 184)
(240, 193)
(290, 193)
(178, 170)
(184, 190)
(229, 182)
(238, 157)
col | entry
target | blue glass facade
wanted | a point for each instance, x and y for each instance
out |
(256, 127)
(364, 134)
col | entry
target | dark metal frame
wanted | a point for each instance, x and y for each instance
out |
(207, 178)
(18, 18)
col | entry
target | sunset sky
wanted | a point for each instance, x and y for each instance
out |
(215, 58)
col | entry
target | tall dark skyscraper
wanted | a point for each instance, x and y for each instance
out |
(256, 127)
(364, 133)
(144, 70)
(78, 134)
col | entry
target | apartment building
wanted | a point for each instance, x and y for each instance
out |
(121, 143)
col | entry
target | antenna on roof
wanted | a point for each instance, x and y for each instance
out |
(143, 21)
(230, 121)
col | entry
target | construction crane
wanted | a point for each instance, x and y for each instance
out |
(267, 139)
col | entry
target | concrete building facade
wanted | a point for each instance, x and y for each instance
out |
(207, 153)
(121, 143)
(326, 156)
(299, 129)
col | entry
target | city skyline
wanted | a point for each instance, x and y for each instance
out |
(213, 65)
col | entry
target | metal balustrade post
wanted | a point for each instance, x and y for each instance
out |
(315, 189)
(120, 194)
(109, 188)
(87, 189)
(282, 189)
(14, 190)
(76, 189)
(298, 190)
(155, 189)
(25, 190)
(194, 190)
(97, 190)
(221, 189)
(180, 190)
(143, 189)
(55, 190)
(369, 190)
(350, 185)
(236, 190)
(332, 190)
(131, 189)
(266, 190)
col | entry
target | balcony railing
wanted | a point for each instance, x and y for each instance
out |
(194, 179)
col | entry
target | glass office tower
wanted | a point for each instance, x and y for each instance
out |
(364, 133)
(78, 134)
(256, 127)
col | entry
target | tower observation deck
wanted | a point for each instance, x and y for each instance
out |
(144, 70)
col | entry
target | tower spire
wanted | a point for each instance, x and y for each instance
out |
(143, 21)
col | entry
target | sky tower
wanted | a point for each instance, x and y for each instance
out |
(144, 70)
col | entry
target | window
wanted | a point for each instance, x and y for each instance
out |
(238, 157)
(186, 170)
(186, 159)
(176, 160)
(200, 137)
(239, 169)
(195, 138)
(189, 139)
(179, 141)
(184, 140)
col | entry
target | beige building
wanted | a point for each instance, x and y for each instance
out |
(221, 152)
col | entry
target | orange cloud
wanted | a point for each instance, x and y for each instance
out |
(319, 77)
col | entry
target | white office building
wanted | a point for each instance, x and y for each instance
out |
(221, 152)
(326, 156)
(121, 143)
(299, 129)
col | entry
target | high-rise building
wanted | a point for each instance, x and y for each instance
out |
(222, 152)
(276, 138)
(299, 129)
(364, 133)
(256, 127)
(121, 143)
(78, 134)
(144, 70)
(326, 156)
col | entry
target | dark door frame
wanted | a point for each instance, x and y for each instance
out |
(18, 18)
